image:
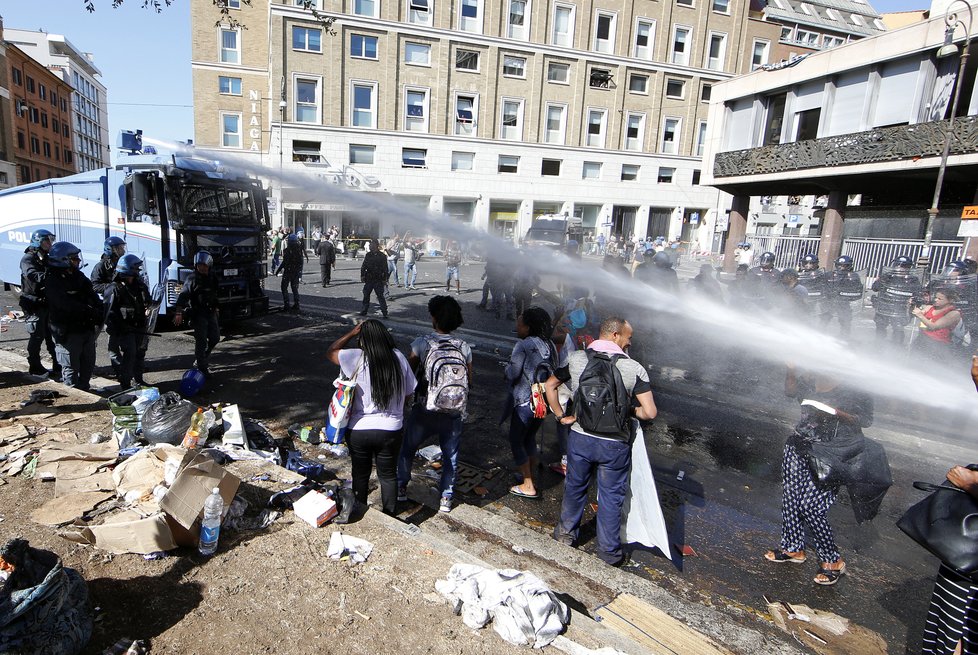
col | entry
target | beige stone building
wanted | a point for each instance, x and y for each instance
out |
(491, 112)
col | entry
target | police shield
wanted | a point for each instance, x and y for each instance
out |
(844, 286)
(897, 289)
(963, 293)
(760, 284)
(814, 281)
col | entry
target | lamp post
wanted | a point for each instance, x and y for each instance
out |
(282, 104)
(951, 21)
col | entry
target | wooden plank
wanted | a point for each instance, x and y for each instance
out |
(654, 629)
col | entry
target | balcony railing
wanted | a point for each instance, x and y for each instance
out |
(878, 145)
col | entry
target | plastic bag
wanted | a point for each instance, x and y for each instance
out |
(167, 419)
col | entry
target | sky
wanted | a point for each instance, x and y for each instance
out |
(145, 57)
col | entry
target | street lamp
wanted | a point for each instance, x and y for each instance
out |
(951, 21)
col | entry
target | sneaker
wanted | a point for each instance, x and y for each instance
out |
(445, 505)
(402, 494)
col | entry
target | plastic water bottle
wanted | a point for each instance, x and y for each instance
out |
(210, 527)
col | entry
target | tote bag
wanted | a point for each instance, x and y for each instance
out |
(338, 412)
(946, 524)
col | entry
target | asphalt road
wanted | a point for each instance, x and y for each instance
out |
(716, 447)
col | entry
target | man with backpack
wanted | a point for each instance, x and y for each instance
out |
(606, 384)
(443, 365)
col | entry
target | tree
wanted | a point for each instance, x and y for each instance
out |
(227, 18)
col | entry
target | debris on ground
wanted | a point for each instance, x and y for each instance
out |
(343, 547)
(825, 632)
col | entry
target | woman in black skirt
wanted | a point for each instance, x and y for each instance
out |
(952, 621)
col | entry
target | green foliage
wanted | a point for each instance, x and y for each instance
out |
(227, 18)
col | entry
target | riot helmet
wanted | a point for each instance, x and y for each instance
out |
(744, 245)
(203, 257)
(809, 262)
(292, 239)
(114, 247)
(955, 268)
(662, 260)
(766, 261)
(902, 262)
(39, 236)
(129, 265)
(62, 254)
(844, 263)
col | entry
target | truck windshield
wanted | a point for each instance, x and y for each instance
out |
(216, 204)
(551, 236)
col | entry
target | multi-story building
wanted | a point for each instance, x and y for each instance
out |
(8, 170)
(491, 112)
(42, 119)
(88, 98)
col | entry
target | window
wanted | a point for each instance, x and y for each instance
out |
(550, 168)
(230, 47)
(306, 152)
(511, 125)
(229, 85)
(670, 136)
(470, 16)
(604, 32)
(600, 78)
(18, 77)
(365, 8)
(35, 145)
(858, 20)
(35, 115)
(700, 138)
(518, 22)
(30, 84)
(230, 130)
(787, 34)
(467, 60)
(465, 113)
(364, 105)
(54, 99)
(596, 119)
(418, 54)
(3, 178)
(419, 12)
(21, 140)
(716, 51)
(64, 130)
(463, 161)
(721, 6)
(231, 4)
(554, 128)
(665, 175)
(638, 83)
(696, 177)
(42, 91)
(831, 41)
(591, 170)
(414, 158)
(306, 101)
(416, 110)
(833, 14)
(67, 156)
(806, 8)
(361, 154)
(363, 47)
(634, 131)
(514, 66)
(307, 39)
(563, 32)
(558, 73)
(684, 3)
(629, 172)
(44, 119)
(807, 124)
(706, 92)
(508, 164)
(675, 89)
(681, 37)
(806, 38)
(644, 38)
(760, 54)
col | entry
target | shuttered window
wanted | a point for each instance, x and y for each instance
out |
(898, 81)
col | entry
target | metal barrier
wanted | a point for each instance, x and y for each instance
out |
(871, 255)
(788, 250)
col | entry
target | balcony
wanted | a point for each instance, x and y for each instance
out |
(904, 142)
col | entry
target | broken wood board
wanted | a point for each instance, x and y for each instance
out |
(651, 627)
(825, 632)
(66, 509)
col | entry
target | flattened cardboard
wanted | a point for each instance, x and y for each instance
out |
(68, 508)
(184, 502)
(141, 536)
(98, 482)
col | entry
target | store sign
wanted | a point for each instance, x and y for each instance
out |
(254, 124)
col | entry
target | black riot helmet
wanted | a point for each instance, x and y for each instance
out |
(766, 261)
(809, 262)
(902, 262)
(844, 263)
(955, 268)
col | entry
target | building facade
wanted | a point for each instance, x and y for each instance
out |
(89, 99)
(491, 112)
(43, 146)
(8, 170)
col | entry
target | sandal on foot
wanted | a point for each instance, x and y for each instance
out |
(831, 576)
(516, 491)
(779, 556)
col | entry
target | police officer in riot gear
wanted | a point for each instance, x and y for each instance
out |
(33, 300)
(127, 306)
(898, 289)
(812, 277)
(199, 300)
(291, 269)
(763, 282)
(843, 286)
(76, 315)
(103, 276)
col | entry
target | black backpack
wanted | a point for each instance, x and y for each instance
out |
(601, 402)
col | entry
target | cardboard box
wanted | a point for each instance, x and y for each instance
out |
(126, 533)
(315, 508)
(198, 476)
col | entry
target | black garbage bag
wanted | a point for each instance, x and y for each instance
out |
(870, 479)
(44, 606)
(167, 418)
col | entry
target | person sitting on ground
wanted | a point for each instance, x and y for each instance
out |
(384, 382)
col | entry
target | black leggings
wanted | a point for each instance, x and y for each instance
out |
(366, 447)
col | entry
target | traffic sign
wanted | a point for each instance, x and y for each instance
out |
(970, 213)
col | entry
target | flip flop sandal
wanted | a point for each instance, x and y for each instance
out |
(831, 576)
(778, 556)
(516, 491)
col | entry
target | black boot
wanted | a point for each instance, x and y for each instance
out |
(347, 502)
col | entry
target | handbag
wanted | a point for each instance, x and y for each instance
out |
(338, 412)
(946, 524)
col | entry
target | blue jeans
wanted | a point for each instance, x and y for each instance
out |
(420, 425)
(613, 460)
(410, 274)
(76, 356)
(451, 273)
(523, 429)
(392, 270)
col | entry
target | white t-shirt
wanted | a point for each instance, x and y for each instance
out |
(364, 414)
